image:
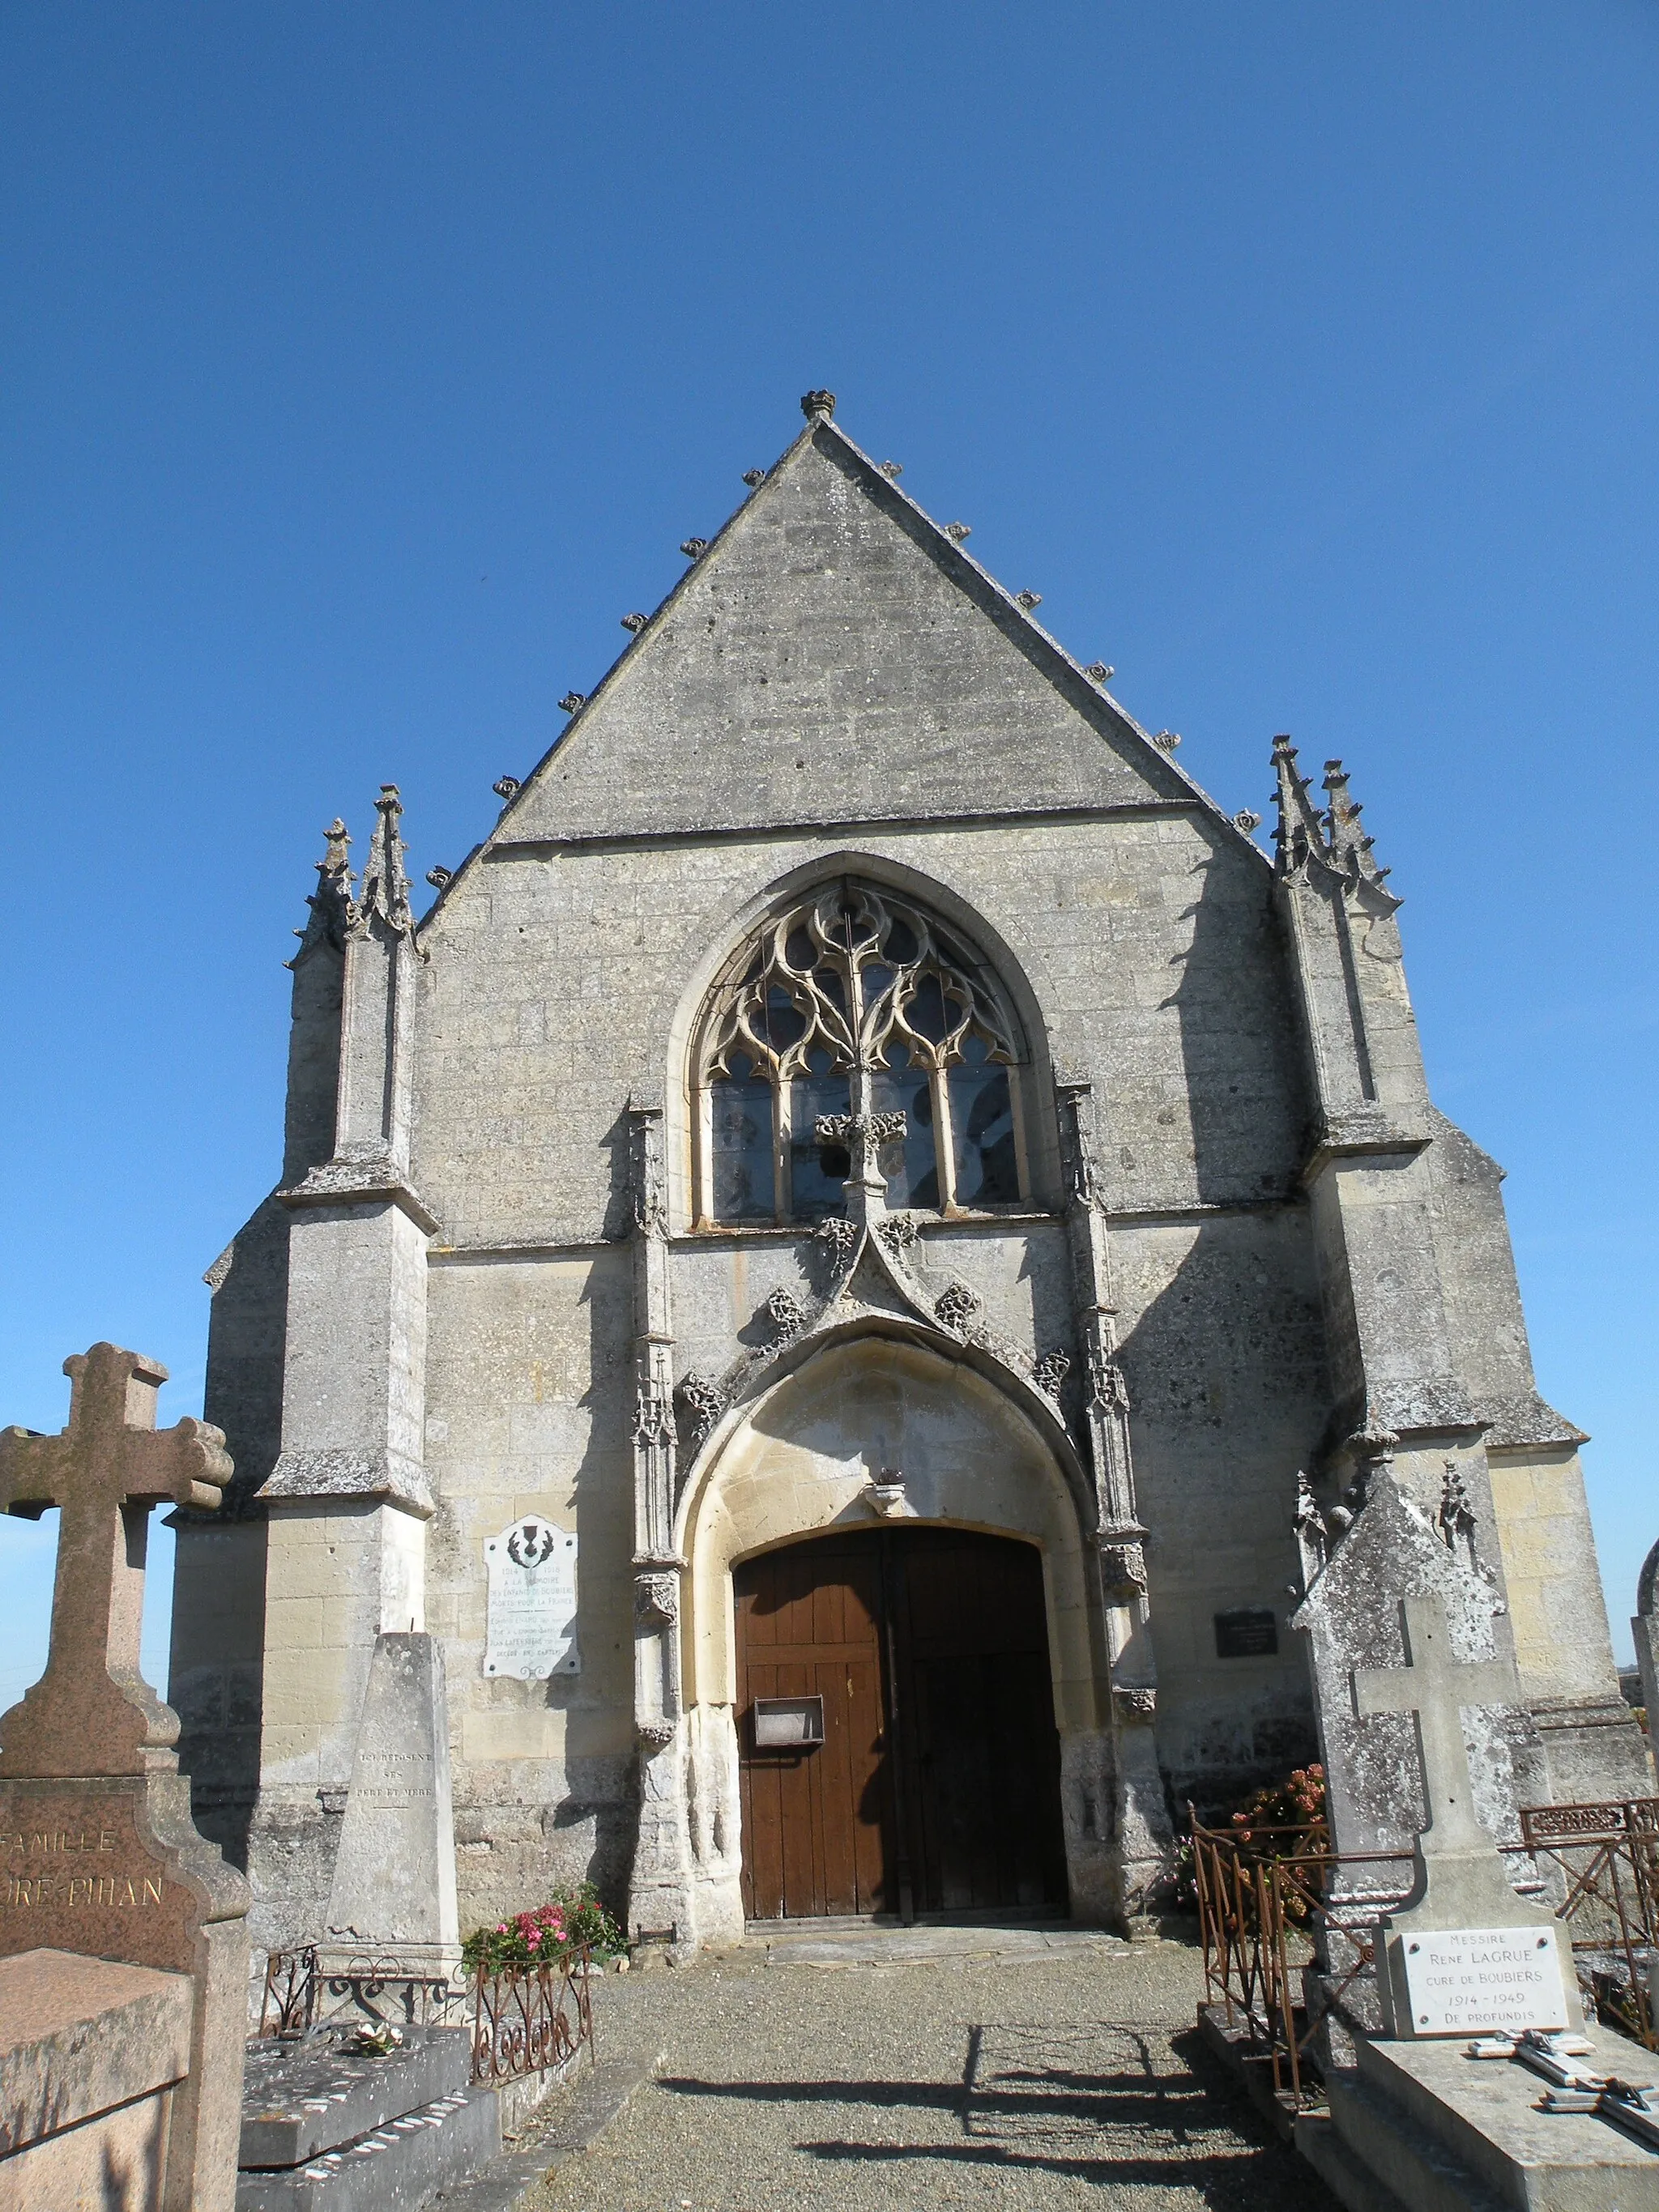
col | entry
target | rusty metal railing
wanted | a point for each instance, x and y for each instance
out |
(1608, 1858)
(523, 2023)
(1266, 1910)
(1272, 1901)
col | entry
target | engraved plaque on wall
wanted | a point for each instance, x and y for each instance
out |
(532, 1572)
(1251, 1633)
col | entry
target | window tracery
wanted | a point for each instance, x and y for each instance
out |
(854, 1002)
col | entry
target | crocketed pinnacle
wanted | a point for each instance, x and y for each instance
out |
(386, 883)
(1351, 850)
(331, 902)
(1299, 834)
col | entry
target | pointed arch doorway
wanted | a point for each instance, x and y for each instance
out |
(910, 1666)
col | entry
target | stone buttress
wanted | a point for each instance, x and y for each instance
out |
(1427, 1346)
(347, 1502)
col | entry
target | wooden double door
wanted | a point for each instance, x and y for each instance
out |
(920, 1657)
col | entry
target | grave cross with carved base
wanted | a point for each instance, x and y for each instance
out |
(91, 1712)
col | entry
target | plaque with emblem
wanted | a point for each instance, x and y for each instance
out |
(531, 1569)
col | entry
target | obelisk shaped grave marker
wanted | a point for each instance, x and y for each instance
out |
(92, 1712)
(101, 1856)
(1465, 1953)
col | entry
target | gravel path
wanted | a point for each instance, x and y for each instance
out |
(1063, 2075)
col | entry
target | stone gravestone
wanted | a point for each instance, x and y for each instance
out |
(530, 1572)
(102, 1858)
(393, 1891)
(1436, 2111)
(1645, 1629)
(1393, 1554)
(1465, 1954)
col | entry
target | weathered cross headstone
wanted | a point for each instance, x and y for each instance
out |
(1393, 1551)
(102, 1858)
(1465, 1952)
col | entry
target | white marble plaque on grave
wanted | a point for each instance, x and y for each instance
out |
(532, 1572)
(1467, 1981)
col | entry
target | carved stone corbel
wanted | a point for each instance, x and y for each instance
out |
(657, 1597)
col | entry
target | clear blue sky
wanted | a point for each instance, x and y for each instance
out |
(364, 364)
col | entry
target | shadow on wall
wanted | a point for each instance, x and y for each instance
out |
(215, 1689)
(1228, 1391)
(1247, 1096)
(514, 1842)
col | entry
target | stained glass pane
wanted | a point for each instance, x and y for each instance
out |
(982, 1126)
(910, 1164)
(817, 1173)
(740, 1147)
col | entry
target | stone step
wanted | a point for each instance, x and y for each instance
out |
(394, 2168)
(1352, 2184)
(1418, 2169)
(299, 2100)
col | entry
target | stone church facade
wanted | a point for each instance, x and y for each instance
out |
(871, 1151)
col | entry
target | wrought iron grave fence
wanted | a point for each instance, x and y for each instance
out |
(1272, 1904)
(519, 2022)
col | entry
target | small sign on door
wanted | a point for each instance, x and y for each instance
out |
(786, 1723)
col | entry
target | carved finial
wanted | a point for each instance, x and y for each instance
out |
(1247, 821)
(1029, 600)
(1167, 740)
(385, 884)
(571, 701)
(1351, 849)
(814, 404)
(1098, 672)
(331, 902)
(891, 470)
(507, 787)
(439, 876)
(693, 547)
(754, 478)
(958, 530)
(636, 622)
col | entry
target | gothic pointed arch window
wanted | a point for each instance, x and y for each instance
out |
(854, 1001)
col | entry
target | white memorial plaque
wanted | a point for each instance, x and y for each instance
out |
(532, 1572)
(1467, 1981)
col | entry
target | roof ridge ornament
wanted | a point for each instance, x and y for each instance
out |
(818, 406)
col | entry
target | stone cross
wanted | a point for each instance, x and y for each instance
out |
(99, 1855)
(92, 1712)
(1435, 1686)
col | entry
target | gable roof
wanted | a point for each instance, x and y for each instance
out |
(835, 657)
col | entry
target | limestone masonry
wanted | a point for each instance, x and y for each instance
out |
(861, 1080)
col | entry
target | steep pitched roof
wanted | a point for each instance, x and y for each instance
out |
(834, 656)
